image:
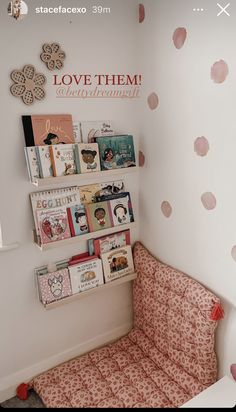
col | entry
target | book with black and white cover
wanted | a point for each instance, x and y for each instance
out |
(89, 130)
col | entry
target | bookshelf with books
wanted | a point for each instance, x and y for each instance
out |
(91, 161)
(90, 292)
(107, 263)
(74, 214)
(60, 151)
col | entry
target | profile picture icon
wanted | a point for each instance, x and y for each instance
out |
(17, 9)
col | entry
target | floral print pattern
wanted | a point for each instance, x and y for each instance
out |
(166, 359)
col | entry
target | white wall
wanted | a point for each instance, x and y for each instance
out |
(33, 339)
(191, 105)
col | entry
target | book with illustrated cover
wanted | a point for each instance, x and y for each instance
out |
(63, 159)
(54, 286)
(44, 160)
(77, 220)
(32, 163)
(106, 243)
(52, 199)
(117, 263)
(77, 132)
(40, 130)
(89, 130)
(86, 275)
(87, 156)
(53, 225)
(117, 197)
(98, 216)
(120, 211)
(89, 193)
(116, 152)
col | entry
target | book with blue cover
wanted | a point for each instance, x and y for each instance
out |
(116, 151)
(77, 220)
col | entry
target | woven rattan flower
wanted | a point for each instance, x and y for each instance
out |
(28, 84)
(53, 56)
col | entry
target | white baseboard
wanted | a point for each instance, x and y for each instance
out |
(9, 384)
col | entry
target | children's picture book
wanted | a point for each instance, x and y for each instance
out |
(88, 157)
(53, 225)
(40, 130)
(99, 216)
(86, 275)
(77, 132)
(89, 130)
(44, 160)
(32, 163)
(120, 211)
(77, 220)
(63, 159)
(117, 263)
(52, 199)
(106, 243)
(116, 152)
(54, 286)
(88, 193)
(119, 196)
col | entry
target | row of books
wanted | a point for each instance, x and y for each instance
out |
(53, 148)
(69, 159)
(60, 214)
(111, 259)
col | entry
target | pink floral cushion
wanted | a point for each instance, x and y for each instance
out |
(165, 360)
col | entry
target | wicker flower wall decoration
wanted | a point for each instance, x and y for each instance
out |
(53, 56)
(28, 84)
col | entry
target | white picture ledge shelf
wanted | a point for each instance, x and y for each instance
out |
(5, 248)
(81, 295)
(81, 238)
(80, 178)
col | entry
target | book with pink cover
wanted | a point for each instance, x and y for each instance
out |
(53, 225)
(43, 130)
(54, 286)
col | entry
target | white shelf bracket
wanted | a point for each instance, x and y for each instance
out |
(5, 248)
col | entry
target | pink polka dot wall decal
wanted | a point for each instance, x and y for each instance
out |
(141, 159)
(179, 37)
(201, 146)
(141, 13)
(153, 101)
(233, 252)
(233, 370)
(208, 201)
(166, 209)
(219, 71)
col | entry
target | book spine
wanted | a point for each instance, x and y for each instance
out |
(28, 163)
(71, 223)
(76, 155)
(39, 162)
(89, 218)
(110, 213)
(91, 247)
(28, 131)
(54, 169)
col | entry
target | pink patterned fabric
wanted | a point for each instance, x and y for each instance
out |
(165, 360)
